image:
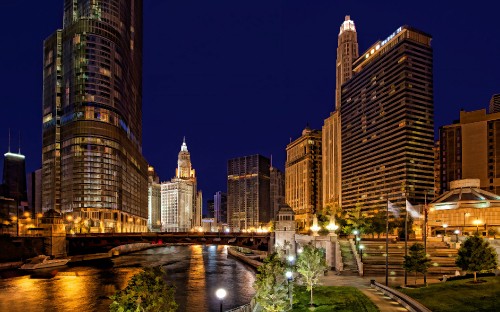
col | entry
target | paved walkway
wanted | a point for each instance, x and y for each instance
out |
(384, 303)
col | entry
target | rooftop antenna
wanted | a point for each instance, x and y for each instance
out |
(9, 140)
(271, 160)
(19, 142)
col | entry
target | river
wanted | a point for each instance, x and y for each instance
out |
(196, 271)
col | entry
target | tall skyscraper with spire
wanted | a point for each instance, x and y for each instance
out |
(14, 176)
(180, 199)
(347, 53)
(92, 163)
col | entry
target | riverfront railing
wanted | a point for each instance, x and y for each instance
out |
(406, 301)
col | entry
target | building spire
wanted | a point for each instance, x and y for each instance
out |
(184, 147)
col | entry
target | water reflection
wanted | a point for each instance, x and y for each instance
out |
(196, 271)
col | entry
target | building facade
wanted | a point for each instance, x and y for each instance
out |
(387, 123)
(277, 189)
(180, 199)
(14, 178)
(34, 185)
(248, 192)
(470, 149)
(92, 164)
(437, 168)
(303, 187)
(154, 201)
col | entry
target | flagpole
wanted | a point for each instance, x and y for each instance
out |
(387, 244)
(406, 236)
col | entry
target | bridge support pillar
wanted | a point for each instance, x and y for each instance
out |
(54, 234)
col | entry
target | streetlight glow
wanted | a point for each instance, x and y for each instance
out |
(221, 293)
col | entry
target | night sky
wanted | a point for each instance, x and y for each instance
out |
(243, 77)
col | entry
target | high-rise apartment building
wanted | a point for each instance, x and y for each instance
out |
(303, 188)
(437, 169)
(495, 104)
(92, 163)
(210, 209)
(277, 189)
(180, 199)
(248, 192)
(154, 201)
(347, 53)
(470, 149)
(387, 123)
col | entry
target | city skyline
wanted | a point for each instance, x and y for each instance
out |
(285, 56)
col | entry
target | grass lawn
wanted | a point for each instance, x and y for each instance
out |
(460, 295)
(332, 298)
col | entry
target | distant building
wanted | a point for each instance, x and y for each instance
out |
(303, 186)
(220, 208)
(248, 192)
(495, 104)
(470, 149)
(210, 208)
(34, 183)
(387, 123)
(180, 200)
(14, 178)
(154, 201)
(277, 190)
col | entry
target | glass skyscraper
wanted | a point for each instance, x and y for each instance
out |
(92, 163)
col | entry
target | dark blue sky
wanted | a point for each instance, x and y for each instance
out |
(243, 77)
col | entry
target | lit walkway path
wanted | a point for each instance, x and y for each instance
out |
(384, 303)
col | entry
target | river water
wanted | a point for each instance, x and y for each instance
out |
(196, 271)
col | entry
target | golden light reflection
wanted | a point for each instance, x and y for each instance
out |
(196, 272)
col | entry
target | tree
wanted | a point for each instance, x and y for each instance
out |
(476, 255)
(417, 261)
(147, 291)
(378, 223)
(270, 284)
(311, 265)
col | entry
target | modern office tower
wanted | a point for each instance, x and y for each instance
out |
(92, 163)
(14, 177)
(303, 185)
(277, 189)
(495, 104)
(347, 53)
(387, 123)
(198, 210)
(180, 200)
(220, 208)
(154, 201)
(248, 192)
(34, 183)
(437, 170)
(210, 209)
(470, 149)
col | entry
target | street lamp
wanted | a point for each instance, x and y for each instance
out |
(456, 233)
(444, 227)
(332, 227)
(221, 293)
(477, 222)
(291, 259)
(361, 247)
(289, 277)
(355, 232)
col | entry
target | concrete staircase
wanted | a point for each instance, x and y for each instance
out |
(443, 258)
(350, 267)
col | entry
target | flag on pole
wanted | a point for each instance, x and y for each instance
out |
(411, 210)
(393, 209)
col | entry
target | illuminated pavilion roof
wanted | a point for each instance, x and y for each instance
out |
(466, 194)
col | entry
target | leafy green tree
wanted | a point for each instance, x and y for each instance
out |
(476, 255)
(417, 261)
(378, 223)
(271, 284)
(147, 291)
(311, 265)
